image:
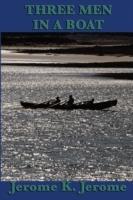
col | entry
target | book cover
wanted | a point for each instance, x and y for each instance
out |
(66, 99)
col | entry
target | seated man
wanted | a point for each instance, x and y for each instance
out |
(52, 102)
(57, 101)
(70, 101)
(92, 101)
(89, 102)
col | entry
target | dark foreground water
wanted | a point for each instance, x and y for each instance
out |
(74, 145)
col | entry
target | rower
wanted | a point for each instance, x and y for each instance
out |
(57, 101)
(89, 102)
(92, 100)
(71, 100)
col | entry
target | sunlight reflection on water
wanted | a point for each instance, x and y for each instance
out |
(57, 145)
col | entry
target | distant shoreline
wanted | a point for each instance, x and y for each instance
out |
(100, 50)
(76, 65)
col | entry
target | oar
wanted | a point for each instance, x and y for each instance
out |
(57, 104)
(55, 99)
(48, 101)
(91, 100)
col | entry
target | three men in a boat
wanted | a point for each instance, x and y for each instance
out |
(69, 103)
(57, 101)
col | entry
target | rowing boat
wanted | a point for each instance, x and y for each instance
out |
(88, 105)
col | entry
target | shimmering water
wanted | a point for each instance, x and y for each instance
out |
(57, 145)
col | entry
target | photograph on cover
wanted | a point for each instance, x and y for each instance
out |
(67, 106)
